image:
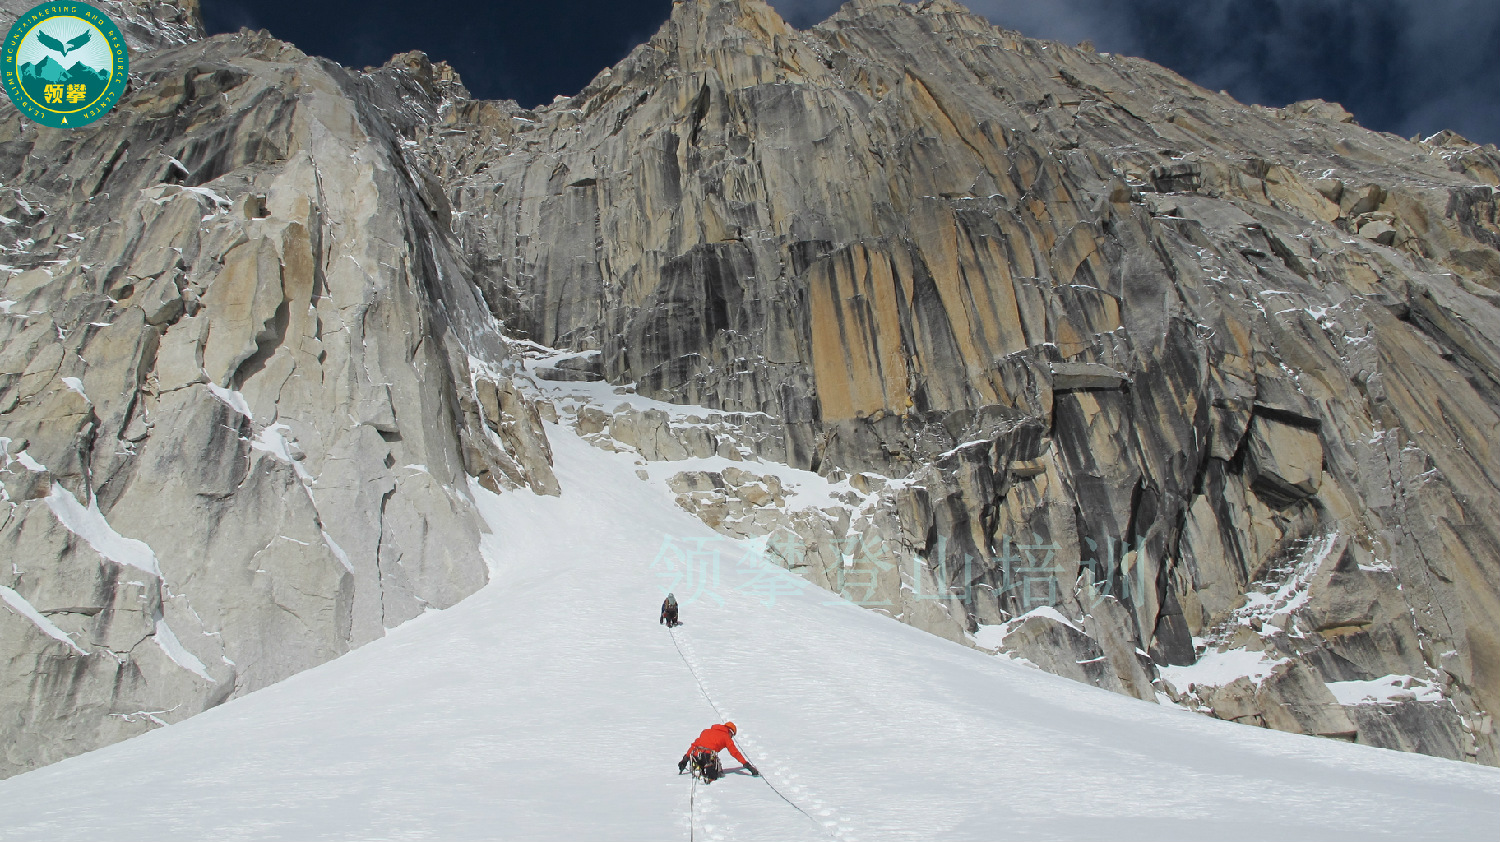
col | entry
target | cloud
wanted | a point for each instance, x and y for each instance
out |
(1405, 66)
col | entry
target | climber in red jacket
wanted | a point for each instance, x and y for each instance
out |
(703, 754)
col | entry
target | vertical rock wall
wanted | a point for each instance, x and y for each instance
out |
(1190, 347)
(244, 379)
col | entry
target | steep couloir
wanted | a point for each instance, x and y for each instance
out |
(1203, 380)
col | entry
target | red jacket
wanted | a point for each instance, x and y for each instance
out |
(716, 739)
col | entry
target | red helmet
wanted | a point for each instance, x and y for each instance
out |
(732, 730)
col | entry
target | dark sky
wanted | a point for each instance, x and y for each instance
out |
(1405, 66)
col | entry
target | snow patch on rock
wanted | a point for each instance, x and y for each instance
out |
(90, 525)
(1216, 669)
(177, 652)
(232, 399)
(1388, 689)
(26, 609)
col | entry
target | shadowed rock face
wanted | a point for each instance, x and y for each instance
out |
(1200, 378)
(1189, 346)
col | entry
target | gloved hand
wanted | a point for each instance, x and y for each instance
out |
(682, 765)
(754, 771)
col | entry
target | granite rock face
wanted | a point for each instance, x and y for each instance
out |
(244, 380)
(1188, 399)
(1157, 360)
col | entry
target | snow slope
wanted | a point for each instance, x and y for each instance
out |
(551, 705)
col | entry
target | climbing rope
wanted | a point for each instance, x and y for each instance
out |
(694, 673)
(798, 809)
(693, 791)
(692, 810)
(710, 699)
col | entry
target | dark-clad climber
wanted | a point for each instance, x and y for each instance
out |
(669, 611)
(703, 754)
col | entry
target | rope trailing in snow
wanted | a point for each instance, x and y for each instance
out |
(693, 791)
(798, 809)
(692, 810)
(694, 673)
(710, 699)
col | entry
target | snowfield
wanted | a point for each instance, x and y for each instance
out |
(551, 705)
